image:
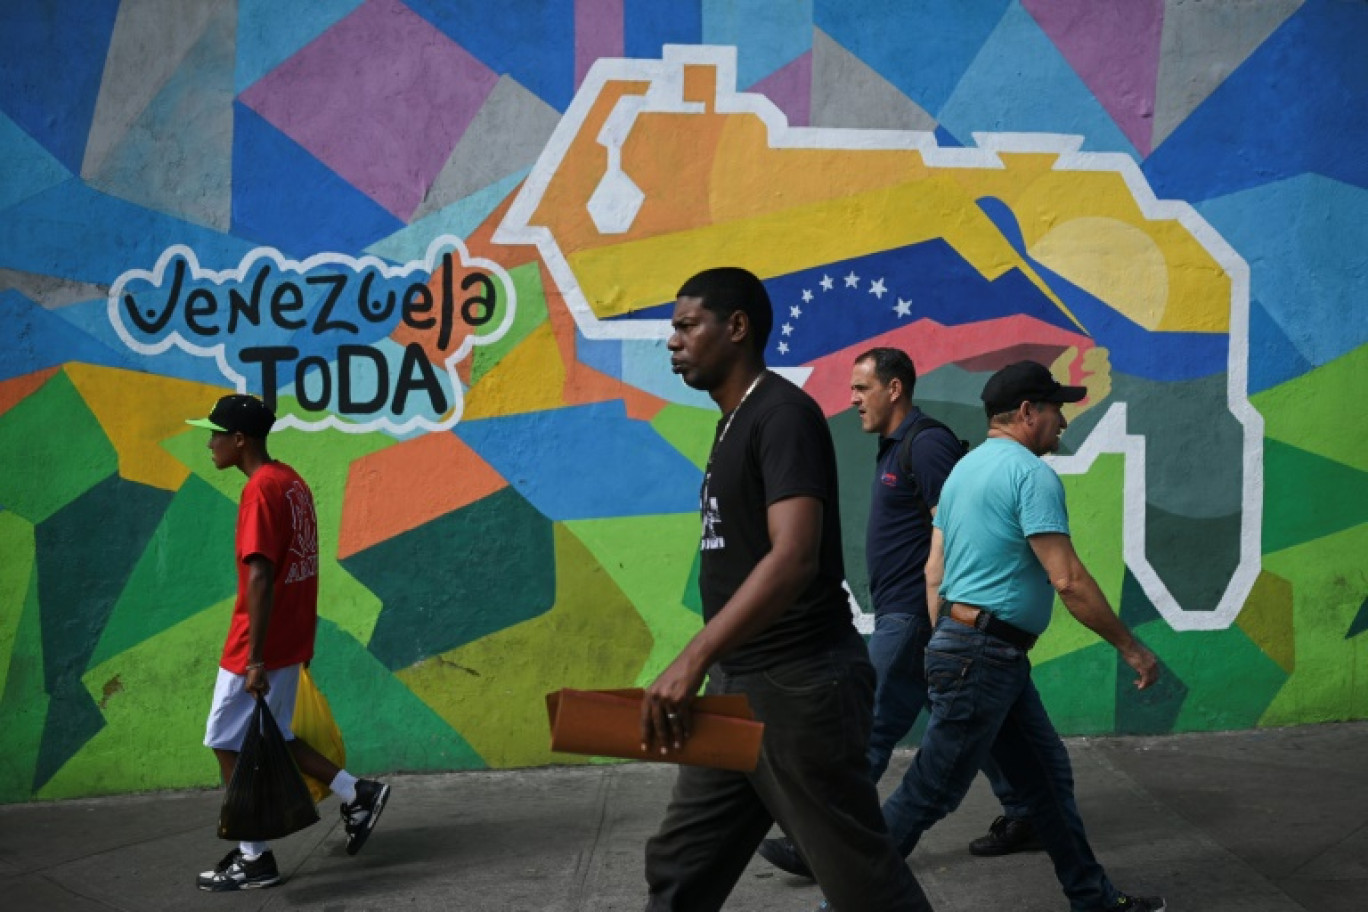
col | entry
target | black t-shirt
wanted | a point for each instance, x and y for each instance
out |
(778, 446)
(898, 537)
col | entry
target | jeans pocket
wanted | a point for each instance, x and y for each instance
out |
(947, 683)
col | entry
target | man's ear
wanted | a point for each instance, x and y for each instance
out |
(738, 325)
(894, 389)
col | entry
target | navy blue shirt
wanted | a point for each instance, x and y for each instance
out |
(898, 537)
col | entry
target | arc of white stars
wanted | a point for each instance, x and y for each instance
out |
(795, 311)
(783, 348)
(827, 283)
(877, 288)
(852, 280)
(807, 295)
(787, 329)
(903, 308)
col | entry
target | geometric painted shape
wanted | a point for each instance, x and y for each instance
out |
(385, 725)
(1194, 555)
(72, 720)
(269, 33)
(531, 313)
(598, 33)
(1308, 496)
(50, 70)
(1273, 359)
(16, 579)
(500, 387)
(337, 97)
(790, 88)
(1156, 709)
(500, 37)
(133, 77)
(690, 431)
(650, 558)
(765, 42)
(925, 62)
(1225, 33)
(183, 138)
(285, 197)
(1079, 688)
(23, 699)
(1288, 109)
(1267, 619)
(447, 583)
(620, 466)
(855, 452)
(648, 25)
(1309, 412)
(505, 136)
(1020, 82)
(39, 339)
(28, 166)
(491, 690)
(1360, 623)
(407, 485)
(53, 450)
(17, 390)
(461, 218)
(1321, 261)
(182, 571)
(53, 292)
(1114, 48)
(847, 92)
(119, 400)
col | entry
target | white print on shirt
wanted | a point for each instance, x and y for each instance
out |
(712, 518)
(303, 555)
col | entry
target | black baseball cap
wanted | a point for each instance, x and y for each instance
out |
(1026, 381)
(235, 413)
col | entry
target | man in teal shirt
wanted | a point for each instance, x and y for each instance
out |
(1000, 551)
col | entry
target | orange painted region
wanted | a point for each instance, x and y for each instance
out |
(565, 201)
(700, 84)
(932, 345)
(406, 485)
(480, 242)
(17, 389)
(137, 411)
(655, 158)
(584, 384)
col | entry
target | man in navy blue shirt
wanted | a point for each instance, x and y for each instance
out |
(915, 455)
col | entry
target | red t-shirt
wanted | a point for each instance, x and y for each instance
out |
(276, 520)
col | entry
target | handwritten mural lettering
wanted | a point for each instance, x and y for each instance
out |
(355, 344)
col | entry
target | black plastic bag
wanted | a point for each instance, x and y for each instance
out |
(267, 797)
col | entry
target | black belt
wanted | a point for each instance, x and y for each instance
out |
(983, 620)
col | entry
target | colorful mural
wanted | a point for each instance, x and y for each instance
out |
(443, 239)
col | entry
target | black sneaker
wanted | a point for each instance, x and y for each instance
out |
(1124, 903)
(360, 816)
(784, 855)
(238, 872)
(1005, 836)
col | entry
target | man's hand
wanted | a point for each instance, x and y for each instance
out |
(1144, 662)
(257, 685)
(665, 707)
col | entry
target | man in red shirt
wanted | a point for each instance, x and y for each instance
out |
(272, 630)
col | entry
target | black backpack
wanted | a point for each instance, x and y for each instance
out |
(924, 423)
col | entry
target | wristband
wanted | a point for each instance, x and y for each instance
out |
(251, 665)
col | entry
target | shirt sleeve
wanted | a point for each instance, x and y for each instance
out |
(258, 528)
(934, 453)
(1042, 506)
(793, 445)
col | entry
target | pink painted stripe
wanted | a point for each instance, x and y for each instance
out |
(598, 33)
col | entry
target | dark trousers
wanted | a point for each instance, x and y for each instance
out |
(812, 778)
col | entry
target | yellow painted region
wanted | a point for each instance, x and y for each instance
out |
(137, 411)
(1266, 619)
(529, 378)
(1092, 371)
(648, 271)
(1192, 296)
(492, 691)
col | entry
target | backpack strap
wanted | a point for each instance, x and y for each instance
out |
(924, 423)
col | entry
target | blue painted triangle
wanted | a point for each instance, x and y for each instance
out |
(284, 197)
(270, 32)
(36, 338)
(1273, 359)
(51, 64)
(92, 319)
(1270, 119)
(28, 169)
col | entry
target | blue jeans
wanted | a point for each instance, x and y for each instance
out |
(983, 703)
(897, 649)
(811, 778)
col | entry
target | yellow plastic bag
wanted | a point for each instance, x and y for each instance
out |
(314, 723)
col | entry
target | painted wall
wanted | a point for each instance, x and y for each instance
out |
(443, 237)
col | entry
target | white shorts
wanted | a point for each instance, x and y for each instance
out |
(232, 708)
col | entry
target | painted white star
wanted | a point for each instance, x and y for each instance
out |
(852, 280)
(807, 295)
(783, 348)
(795, 311)
(877, 289)
(787, 329)
(903, 308)
(826, 283)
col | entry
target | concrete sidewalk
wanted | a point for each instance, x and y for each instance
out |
(1265, 821)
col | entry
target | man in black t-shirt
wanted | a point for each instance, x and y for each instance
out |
(777, 628)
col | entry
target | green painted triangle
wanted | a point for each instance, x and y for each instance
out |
(1308, 496)
(1079, 688)
(688, 429)
(531, 313)
(384, 725)
(24, 703)
(54, 433)
(186, 567)
(16, 577)
(1308, 411)
(855, 452)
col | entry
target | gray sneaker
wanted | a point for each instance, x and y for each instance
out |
(238, 872)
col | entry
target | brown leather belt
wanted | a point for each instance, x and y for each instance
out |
(979, 619)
